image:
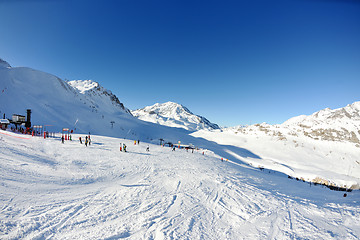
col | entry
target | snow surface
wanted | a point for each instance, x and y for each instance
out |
(51, 190)
(332, 162)
(174, 115)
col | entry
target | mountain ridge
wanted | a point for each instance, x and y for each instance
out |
(340, 124)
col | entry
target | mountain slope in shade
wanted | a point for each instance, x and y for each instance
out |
(174, 115)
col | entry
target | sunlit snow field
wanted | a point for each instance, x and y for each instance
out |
(51, 190)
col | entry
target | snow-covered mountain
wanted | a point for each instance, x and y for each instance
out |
(4, 64)
(322, 148)
(83, 105)
(341, 125)
(174, 115)
(163, 194)
(97, 96)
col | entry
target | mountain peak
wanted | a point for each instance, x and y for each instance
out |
(4, 64)
(83, 85)
(328, 116)
(96, 93)
(341, 124)
(174, 115)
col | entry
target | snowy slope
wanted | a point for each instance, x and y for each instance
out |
(67, 191)
(174, 115)
(322, 148)
(51, 190)
(54, 102)
(81, 105)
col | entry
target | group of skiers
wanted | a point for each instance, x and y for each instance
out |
(87, 140)
(123, 147)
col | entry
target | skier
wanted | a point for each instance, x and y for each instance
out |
(86, 141)
(89, 140)
(147, 149)
(62, 139)
(120, 148)
(124, 147)
(173, 148)
(138, 142)
(80, 140)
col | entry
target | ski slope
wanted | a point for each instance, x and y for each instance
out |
(332, 162)
(51, 190)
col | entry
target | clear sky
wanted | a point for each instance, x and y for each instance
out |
(233, 62)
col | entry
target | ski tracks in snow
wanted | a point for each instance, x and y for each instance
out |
(101, 193)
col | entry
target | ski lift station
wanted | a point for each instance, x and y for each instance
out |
(4, 123)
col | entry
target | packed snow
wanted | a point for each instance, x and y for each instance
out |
(331, 163)
(51, 190)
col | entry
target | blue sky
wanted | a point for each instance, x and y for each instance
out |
(234, 62)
